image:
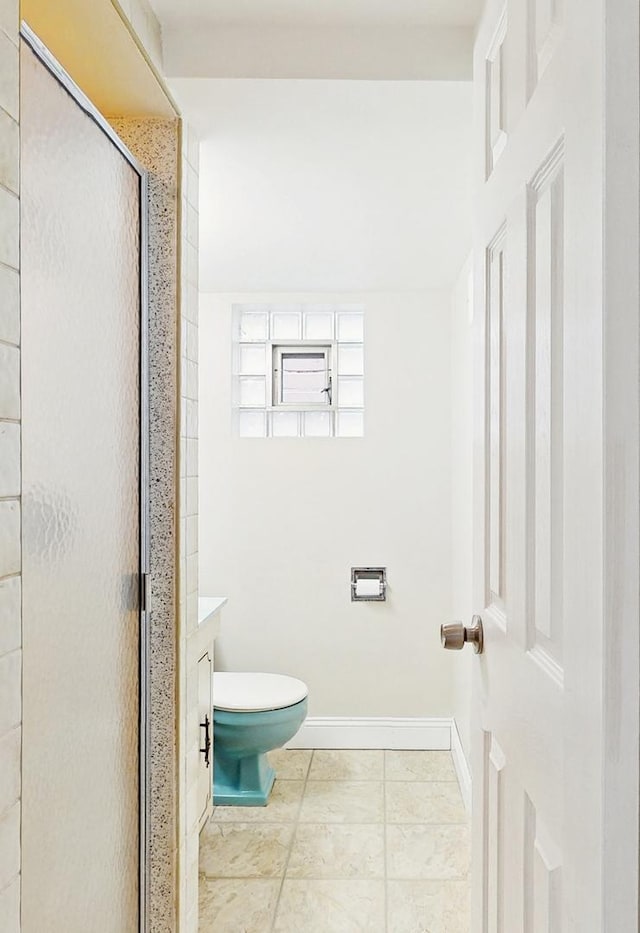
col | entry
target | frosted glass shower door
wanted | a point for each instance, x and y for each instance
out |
(80, 204)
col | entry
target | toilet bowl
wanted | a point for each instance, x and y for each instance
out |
(252, 714)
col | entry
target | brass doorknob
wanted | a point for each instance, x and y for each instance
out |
(454, 635)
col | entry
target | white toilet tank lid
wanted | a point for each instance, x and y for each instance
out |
(255, 693)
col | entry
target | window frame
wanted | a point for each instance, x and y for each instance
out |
(275, 350)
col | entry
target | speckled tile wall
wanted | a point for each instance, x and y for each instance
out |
(156, 144)
(174, 374)
(10, 479)
(174, 872)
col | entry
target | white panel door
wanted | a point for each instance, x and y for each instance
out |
(539, 466)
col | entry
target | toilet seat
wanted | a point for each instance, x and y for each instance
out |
(256, 693)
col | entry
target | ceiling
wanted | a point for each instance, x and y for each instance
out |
(320, 12)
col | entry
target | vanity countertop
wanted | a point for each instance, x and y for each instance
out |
(208, 606)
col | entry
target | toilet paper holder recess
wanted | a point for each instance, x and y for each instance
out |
(371, 582)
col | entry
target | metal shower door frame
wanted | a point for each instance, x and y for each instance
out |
(64, 79)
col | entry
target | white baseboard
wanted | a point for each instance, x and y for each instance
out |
(388, 732)
(375, 732)
(461, 765)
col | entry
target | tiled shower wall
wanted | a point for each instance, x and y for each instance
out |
(189, 728)
(10, 593)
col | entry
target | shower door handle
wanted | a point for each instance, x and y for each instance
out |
(206, 751)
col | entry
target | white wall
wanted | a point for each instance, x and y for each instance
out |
(283, 521)
(462, 491)
(266, 50)
(331, 185)
(335, 192)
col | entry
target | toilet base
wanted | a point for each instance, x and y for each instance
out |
(242, 782)
(242, 775)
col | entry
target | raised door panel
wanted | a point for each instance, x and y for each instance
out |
(542, 905)
(545, 479)
(544, 22)
(495, 830)
(495, 94)
(495, 407)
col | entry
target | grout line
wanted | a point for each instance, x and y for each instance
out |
(11, 576)
(8, 654)
(12, 36)
(454, 879)
(275, 822)
(295, 824)
(4, 187)
(17, 800)
(249, 824)
(418, 823)
(12, 880)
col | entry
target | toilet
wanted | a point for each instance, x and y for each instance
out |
(252, 714)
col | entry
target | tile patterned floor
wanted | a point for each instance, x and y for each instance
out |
(350, 842)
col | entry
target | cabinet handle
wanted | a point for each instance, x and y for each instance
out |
(206, 751)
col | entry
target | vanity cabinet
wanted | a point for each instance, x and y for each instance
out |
(205, 719)
(198, 721)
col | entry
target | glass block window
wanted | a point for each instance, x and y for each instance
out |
(298, 370)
